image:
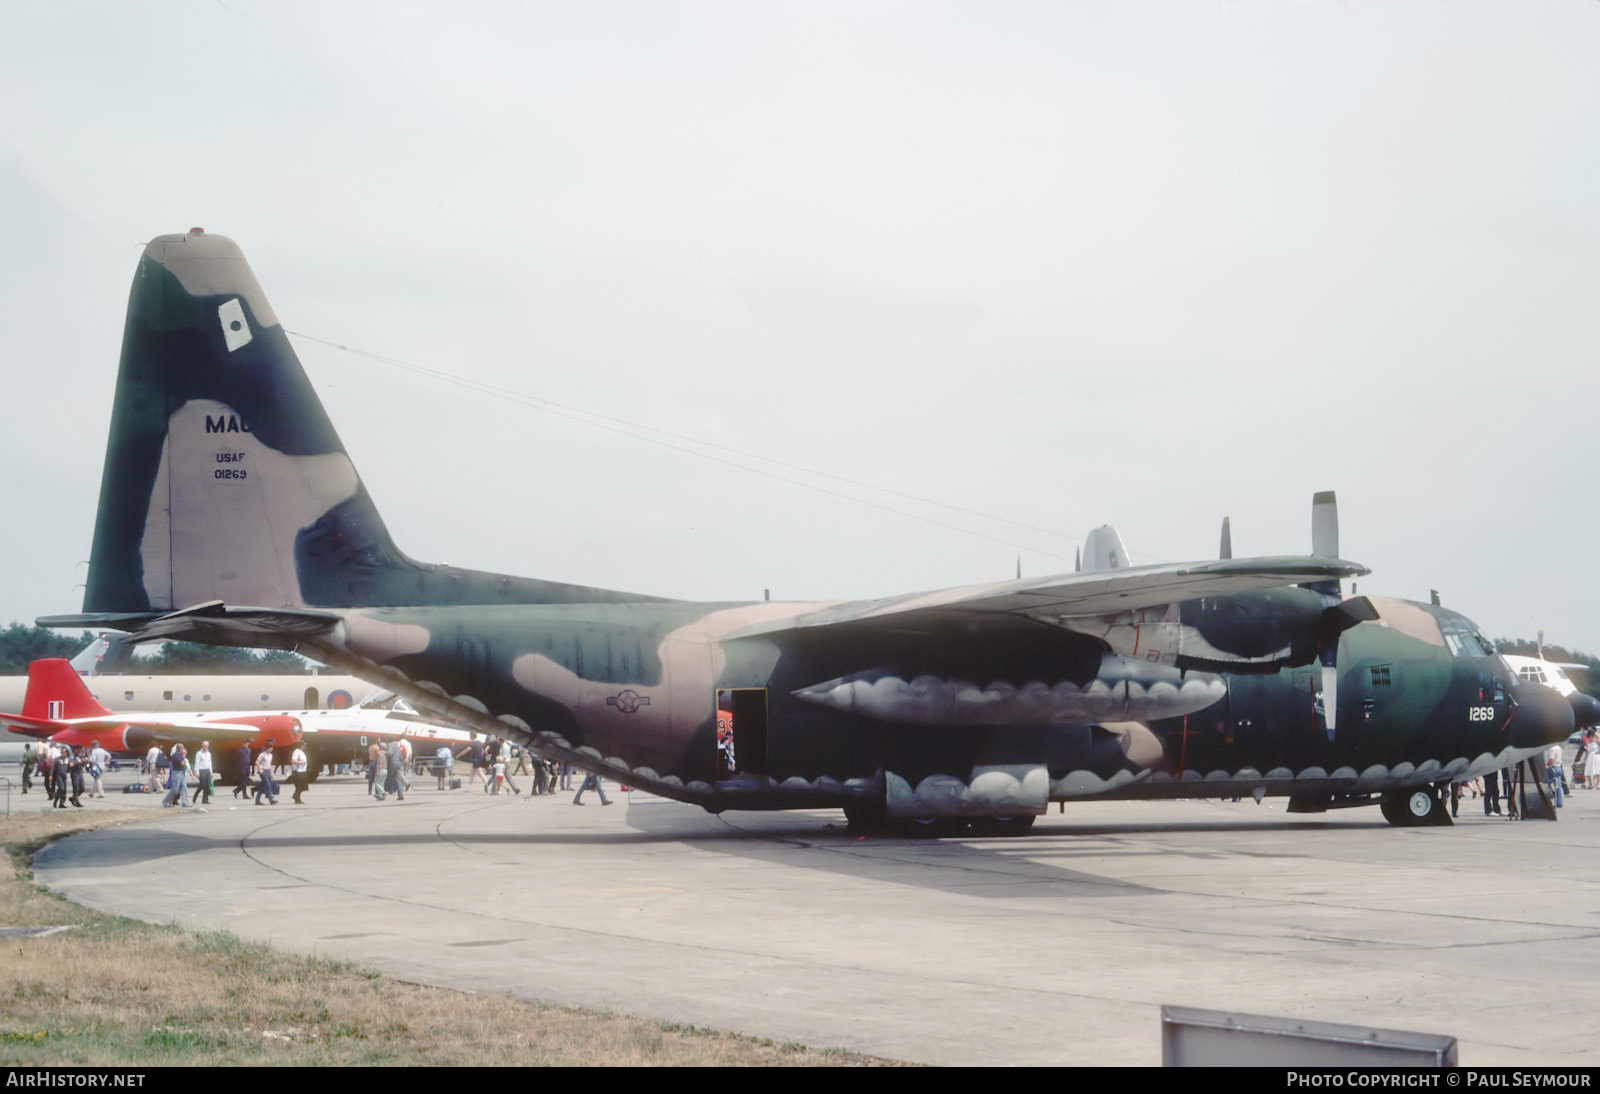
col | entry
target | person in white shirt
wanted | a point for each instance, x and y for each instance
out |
(151, 758)
(1553, 758)
(203, 770)
(298, 764)
(265, 785)
(443, 765)
(405, 765)
(99, 758)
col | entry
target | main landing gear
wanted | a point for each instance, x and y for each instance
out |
(872, 819)
(1415, 808)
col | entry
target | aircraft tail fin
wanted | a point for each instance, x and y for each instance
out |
(87, 660)
(224, 479)
(1103, 549)
(56, 692)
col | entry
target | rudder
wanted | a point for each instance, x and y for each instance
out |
(56, 692)
(224, 479)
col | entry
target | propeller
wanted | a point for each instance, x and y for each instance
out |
(1342, 614)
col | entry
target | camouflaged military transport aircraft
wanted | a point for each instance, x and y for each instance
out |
(230, 514)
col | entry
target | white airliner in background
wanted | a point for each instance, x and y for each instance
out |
(1553, 674)
(131, 691)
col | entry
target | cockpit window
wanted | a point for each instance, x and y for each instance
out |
(1462, 637)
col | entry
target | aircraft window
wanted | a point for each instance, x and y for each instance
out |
(263, 698)
(167, 695)
(205, 698)
(186, 698)
(127, 697)
(1461, 636)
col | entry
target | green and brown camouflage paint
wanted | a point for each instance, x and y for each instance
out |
(230, 513)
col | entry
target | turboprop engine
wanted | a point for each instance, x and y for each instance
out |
(1246, 632)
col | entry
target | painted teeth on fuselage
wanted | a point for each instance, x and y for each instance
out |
(1284, 781)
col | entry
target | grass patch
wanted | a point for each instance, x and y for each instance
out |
(115, 991)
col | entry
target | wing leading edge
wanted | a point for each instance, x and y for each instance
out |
(1073, 596)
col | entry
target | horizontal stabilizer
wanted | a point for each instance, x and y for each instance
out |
(213, 623)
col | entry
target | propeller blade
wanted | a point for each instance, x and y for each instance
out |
(1330, 697)
(1335, 621)
(1226, 550)
(1325, 524)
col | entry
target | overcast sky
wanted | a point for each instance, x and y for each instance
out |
(1060, 263)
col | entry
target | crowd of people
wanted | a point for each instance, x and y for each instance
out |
(495, 762)
(1497, 788)
(69, 773)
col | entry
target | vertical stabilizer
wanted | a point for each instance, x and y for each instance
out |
(222, 467)
(56, 692)
(1103, 549)
(87, 660)
(224, 479)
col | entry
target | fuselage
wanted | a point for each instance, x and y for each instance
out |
(981, 722)
(133, 692)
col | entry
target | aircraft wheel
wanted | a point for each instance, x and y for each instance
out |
(1414, 808)
(1003, 826)
(927, 827)
(865, 817)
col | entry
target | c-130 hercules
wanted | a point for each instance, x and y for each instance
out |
(230, 514)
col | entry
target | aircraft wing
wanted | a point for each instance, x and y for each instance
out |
(1073, 596)
(166, 728)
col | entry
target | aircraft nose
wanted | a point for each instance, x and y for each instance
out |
(1585, 709)
(1544, 717)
